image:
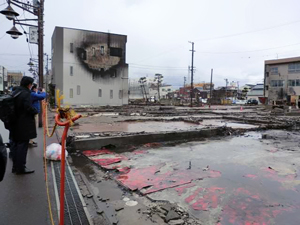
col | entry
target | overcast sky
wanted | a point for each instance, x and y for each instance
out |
(233, 37)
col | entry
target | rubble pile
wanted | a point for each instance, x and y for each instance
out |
(170, 213)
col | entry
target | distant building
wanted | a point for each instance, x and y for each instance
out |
(136, 90)
(282, 80)
(165, 90)
(3, 79)
(13, 78)
(256, 92)
(90, 67)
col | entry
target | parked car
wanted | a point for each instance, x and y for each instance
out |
(252, 102)
(204, 100)
(240, 102)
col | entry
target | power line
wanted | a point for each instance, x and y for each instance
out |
(223, 36)
(13, 54)
(248, 32)
(151, 66)
(258, 50)
(147, 68)
(3, 36)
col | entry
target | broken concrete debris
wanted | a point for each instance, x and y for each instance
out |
(197, 179)
(172, 215)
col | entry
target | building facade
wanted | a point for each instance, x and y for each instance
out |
(3, 79)
(282, 80)
(137, 90)
(13, 78)
(90, 67)
(256, 92)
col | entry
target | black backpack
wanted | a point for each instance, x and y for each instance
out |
(3, 159)
(7, 109)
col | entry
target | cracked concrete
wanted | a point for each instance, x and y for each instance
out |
(242, 178)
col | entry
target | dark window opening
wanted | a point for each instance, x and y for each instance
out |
(94, 76)
(71, 48)
(81, 53)
(100, 93)
(102, 50)
(116, 52)
(267, 87)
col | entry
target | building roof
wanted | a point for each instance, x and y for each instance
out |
(258, 87)
(282, 61)
(89, 30)
(256, 93)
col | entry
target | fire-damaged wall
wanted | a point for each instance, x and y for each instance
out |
(282, 80)
(94, 69)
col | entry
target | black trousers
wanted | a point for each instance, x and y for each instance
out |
(19, 154)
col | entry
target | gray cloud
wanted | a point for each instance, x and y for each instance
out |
(159, 30)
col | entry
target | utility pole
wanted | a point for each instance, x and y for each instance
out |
(41, 53)
(142, 81)
(159, 79)
(37, 10)
(238, 90)
(184, 81)
(226, 88)
(189, 70)
(210, 95)
(47, 71)
(192, 73)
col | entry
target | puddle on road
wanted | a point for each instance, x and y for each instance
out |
(154, 126)
(236, 180)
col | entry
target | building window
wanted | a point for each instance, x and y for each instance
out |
(94, 76)
(267, 87)
(71, 70)
(71, 92)
(100, 93)
(292, 83)
(274, 71)
(102, 50)
(111, 94)
(120, 94)
(298, 83)
(277, 83)
(116, 52)
(294, 68)
(78, 90)
(280, 83)
(93, 51)
(71, 48)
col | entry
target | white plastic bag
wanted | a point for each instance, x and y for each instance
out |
(53, 152)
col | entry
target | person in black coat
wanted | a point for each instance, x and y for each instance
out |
(24, 127)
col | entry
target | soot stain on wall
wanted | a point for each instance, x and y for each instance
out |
(99, 58)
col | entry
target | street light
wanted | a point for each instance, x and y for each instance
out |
(35, 9)
(14, 32)
(9, 12)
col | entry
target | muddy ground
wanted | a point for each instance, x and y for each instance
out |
(246, 177)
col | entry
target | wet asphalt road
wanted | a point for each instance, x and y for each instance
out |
(23, 198)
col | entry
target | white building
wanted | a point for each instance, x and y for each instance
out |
(136, 91)
(90, 67)
(3, 78)
(165, 90)
(256, 92)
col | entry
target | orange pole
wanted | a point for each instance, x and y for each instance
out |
(63, 163)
